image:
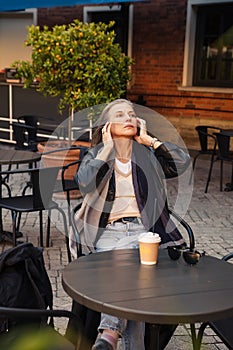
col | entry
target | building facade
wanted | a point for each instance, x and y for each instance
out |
(183, 52)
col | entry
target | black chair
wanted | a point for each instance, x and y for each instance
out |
(33, 121)
(63, 182)
(224, 155)
(42, 183)
(154, 334)
(22, 135)
(208, 144)
(223, 328)
(187, 228)
(52, 339)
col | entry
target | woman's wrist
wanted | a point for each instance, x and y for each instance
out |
(155, 143)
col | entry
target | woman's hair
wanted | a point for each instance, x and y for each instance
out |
(104, 117)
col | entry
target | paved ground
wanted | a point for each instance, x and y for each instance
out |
(210, 216)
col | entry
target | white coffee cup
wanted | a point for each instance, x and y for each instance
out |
(148, 247)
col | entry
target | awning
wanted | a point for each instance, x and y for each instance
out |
(16, 5)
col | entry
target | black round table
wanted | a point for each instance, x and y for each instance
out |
(170, 292)
(11, 156)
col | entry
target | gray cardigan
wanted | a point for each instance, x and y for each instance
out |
(149, 169)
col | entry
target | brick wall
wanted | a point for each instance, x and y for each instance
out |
(158, 50)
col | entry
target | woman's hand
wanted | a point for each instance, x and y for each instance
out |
(143, 138)
(106, 135)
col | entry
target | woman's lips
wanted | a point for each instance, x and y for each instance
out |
(129, 126)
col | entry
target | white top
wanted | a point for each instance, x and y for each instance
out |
(125, 203)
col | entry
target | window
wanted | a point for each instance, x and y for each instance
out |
(213, 60)
(208, 51)
(13, 32)
(122, 16)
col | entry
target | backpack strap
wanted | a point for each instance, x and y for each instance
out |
(40, 300)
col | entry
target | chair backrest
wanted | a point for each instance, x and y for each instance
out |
(186, 226)
(45, 338)
(206, 138)
(33, 122)
(43, 181)
(223, 142)
(223, 328)
(77, 243)
(29, 120)
(23, 135)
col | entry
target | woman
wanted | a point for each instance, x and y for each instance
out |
(121, 179)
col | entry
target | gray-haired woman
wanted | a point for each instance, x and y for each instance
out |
(122, 182)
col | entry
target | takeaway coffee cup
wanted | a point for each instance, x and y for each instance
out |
(148, 247)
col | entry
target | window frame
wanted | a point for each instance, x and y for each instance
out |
(88, 10)
(189, 47)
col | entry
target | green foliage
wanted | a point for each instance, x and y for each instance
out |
(78, 62)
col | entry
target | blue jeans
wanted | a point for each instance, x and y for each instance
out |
(120, 235)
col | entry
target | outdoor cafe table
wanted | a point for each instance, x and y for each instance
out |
(14, 157)
(170, 292)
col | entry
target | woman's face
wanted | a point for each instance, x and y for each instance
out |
(123, 120)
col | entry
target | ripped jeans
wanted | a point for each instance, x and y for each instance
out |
(122, 235)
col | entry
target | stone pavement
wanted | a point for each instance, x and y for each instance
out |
(210, 216)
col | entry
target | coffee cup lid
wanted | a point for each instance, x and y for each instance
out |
(150, 236)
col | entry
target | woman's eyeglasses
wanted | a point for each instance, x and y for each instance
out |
(191, 257)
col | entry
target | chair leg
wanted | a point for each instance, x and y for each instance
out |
(210, 173)
(41, 228)
(66, 233)
(194, 163)
(18, 222)
(14, 219)
(221, 174)
(48, 229)
(68, 203)
(231, 183)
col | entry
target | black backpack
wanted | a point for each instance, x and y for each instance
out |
(24, 283)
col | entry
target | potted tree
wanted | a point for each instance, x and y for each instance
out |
(79, 62)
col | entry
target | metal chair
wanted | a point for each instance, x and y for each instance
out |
(42, 183)
(66, 183)
(23, 136)
(187, 228)
(52, 339)
(208, 144)
(223, 328)
(33, 121)
(224, 155)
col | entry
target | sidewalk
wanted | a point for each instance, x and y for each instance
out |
(209, 215)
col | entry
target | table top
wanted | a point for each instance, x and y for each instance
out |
(12, 156)
(170, 292)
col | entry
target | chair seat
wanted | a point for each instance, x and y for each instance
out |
(45, 338)
(24, 204)
(69, 186)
